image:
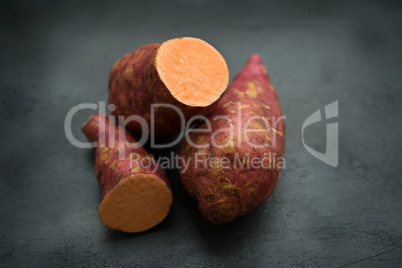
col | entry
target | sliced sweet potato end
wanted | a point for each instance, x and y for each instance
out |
(137, 203)
(194, 72)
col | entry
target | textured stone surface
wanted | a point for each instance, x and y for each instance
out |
(57, 55)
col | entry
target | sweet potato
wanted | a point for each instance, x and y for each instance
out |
(187, 73)
(220, 173)
(134, 197)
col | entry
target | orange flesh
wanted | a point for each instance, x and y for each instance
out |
(195, 73)
(136, 203)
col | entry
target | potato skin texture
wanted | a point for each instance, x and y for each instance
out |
(109, 168)
(224, 194)
(134, 85)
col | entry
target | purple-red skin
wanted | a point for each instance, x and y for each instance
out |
(109, 168)
(226, 194)
(134, 85)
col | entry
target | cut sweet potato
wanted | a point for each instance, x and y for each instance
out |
(134, 198)
(187, 73)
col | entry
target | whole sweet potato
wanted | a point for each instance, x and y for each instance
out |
(247, 128)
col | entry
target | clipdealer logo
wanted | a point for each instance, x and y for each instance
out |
(330, 156)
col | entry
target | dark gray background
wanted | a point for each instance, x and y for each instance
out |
(57, 55)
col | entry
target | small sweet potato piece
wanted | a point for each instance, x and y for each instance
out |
(134, 198)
